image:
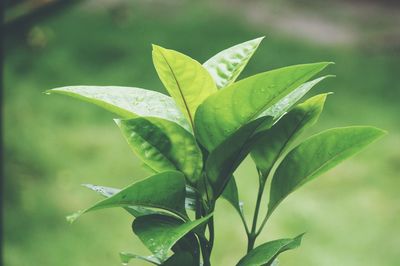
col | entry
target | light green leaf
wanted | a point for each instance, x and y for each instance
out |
(127, 257)
(160, 233)
(226, 66)
(317, 155)
(275, 141)
(185, 79)
(266, 253)
(163, 145)
(127, 102)
(224, 159)
(164, 191)
(278, 109)
(226, 111)
(107, 192)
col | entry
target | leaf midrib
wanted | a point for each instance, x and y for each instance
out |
(179, 89)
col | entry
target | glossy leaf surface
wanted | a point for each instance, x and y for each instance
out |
(278, 109)
(107, 192)
(127, 102)
(227, 110)
(273, 142)
(224, 159)
(185, 79)
(163, 145)
(226, 66)
(317, 155)
(266, 253)
(164, 191)
(160, 233)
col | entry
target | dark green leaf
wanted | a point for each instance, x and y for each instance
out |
(160, 233)
(127, 102)
(275, 141)
(185, 79)
(180, 259)
(317, 155)
(164, 191)
(226, 111)
(267, 252)
(226, 66)
(163, 145)
(224, 160)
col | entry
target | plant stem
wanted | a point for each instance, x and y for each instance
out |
(205, 251)
(211, 231)
(264, 222)
(244, 222)
(251, 237)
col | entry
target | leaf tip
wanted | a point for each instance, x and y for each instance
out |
(118, 121)
(71, 218)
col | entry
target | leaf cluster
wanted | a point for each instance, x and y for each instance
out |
(195, 138)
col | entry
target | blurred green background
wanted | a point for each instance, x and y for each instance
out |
(54, 143)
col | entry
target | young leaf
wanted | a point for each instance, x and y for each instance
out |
(163, 145)
(317, 155)
(226, 66)
(278, 109)
(164, 191)
(227, 110)
(127, 102)
(184, 78)
(266, 253)
(273, 142)
(160, 233)
(224, 159)
(127, 257)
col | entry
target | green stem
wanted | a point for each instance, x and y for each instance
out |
(264, 222)
(251, 239)
(211, 231)
(252, 236)
(244, 222)
(205, 251)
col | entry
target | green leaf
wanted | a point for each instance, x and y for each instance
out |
(278, 109)
(127, 257)
(231, 194)
(226, 66)
(226, 111)
(178, 259)
(107, 192)
(185, 79)
(160, 233)
(127, 102)
(224, 159)
(163, 145)
(267, 252)
(164, 191)
(317, 155)
(275, 141)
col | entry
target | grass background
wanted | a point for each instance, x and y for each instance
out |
(53, 144)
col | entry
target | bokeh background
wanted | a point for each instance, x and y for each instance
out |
(54, 143)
